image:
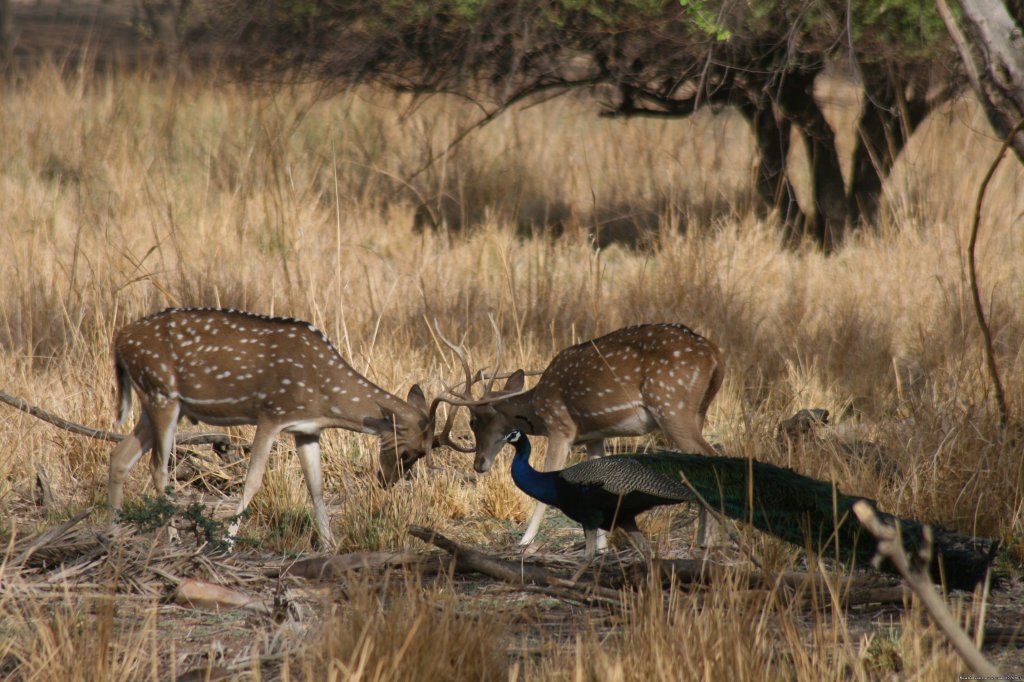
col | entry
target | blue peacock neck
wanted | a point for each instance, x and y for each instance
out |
(539, 485)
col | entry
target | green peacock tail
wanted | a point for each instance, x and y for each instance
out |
(814, 514)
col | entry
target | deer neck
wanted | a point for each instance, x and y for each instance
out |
(388, 402)
(356, 403)
(520, 410)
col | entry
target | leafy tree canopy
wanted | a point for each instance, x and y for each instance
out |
(662, 57)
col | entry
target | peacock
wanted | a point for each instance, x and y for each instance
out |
(804, 511)
(597, 496)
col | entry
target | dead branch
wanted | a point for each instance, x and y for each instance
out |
(515, 573)
(220, 441)
(336, 566)
(890, 547)
(48, 536)
(972, 271)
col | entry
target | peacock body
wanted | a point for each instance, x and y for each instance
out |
(807, 512)
(596, 496)
(813, 514)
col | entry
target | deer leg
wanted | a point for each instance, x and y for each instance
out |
(164, 418)
(122, 458)
(687, 436)
(595, 449)
(534, 526)
(308, 448)
(264, 438)
(558, 452)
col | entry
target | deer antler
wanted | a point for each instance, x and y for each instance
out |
(465, 397)
(445, 438)
(497, 354)
(460, 353)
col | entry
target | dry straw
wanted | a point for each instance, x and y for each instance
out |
(125, 194)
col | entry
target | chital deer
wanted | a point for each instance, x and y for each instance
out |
(227, 367)
(627, 383)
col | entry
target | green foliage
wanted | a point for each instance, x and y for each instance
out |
(883, 657)
(451, 32)
(291, 528)
(705, 20)
(149, 514)
(911, 28)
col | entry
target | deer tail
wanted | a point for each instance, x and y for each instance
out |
(124, 391)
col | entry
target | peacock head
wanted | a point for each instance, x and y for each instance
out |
(515, 437)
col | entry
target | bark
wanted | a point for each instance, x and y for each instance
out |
(992, 50)
(796, 98)
(772, 181)
(6, 31)
(890, 117)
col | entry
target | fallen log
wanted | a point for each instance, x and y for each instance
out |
(336, 566)
(515, 573)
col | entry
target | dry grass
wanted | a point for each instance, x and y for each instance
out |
(123, 195)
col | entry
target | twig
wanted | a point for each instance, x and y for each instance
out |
(49, 536)
(219, 440)
(990, 358)
(890, 547)
(514, 573)
(59, 422)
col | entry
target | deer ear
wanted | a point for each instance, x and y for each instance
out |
(515, 382)
(381, 424)
(417, 399)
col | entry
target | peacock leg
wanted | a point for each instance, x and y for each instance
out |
(637, 539)
(588, 554)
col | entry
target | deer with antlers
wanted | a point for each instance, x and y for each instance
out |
(228, 367)
(630, 382)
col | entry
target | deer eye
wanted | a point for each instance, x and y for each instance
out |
(473, 421)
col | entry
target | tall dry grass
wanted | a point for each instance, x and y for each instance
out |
(126, 194)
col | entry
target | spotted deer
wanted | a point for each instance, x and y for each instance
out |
(629, 382)
(228, 367)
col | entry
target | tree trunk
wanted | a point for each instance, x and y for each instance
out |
(992, 50)
(796, 98)
(890, 117)
(772, 181)
(6, 31)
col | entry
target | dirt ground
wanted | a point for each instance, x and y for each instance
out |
(286, 597)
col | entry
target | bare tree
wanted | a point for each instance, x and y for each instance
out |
(661, 59)
(991, 45)
(6, 30)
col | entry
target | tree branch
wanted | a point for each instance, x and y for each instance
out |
(218, 440)
(514, 573)
(671, 108)
(972, 271)
(890, 547)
